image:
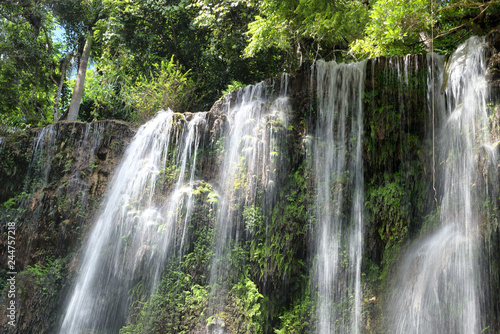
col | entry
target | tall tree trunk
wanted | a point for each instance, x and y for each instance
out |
(60, 86)
(74, 106)
(427, 40)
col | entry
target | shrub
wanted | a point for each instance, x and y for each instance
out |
(166, 87)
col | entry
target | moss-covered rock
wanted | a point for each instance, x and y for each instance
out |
(55, 178)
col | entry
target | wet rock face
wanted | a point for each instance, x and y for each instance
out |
(55, 178)
(494, 38)
(493, 70)
(493, 80)
(493, 64)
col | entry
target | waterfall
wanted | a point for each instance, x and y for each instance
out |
(40, 162)
(438, 287)
(257, 123)
(352, 198)
(137, 228)
(338, 217)
(39, 174)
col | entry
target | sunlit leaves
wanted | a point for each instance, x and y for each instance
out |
(267, 32)
(409, 26)
(107, 87)
(77, 17)
(168, 86)
(395, 25)
(212, 13)
(309, 28)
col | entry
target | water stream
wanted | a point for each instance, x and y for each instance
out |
(438, 288)
(247, 179)
(338, 169)
(146, 213)
(137, 228)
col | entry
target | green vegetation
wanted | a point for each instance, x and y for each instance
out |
(176, 307)
(386, 205)
(296, 320)
(306, 30)
(234, 85)
(167, 88)
(122, 53)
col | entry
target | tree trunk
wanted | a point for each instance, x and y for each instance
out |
(76, 98)
(59, 87)
(427, 40)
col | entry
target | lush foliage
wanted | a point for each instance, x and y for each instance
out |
(28, 63)
(168, 87)
(220, 43)
(307, 29)
(400, 27)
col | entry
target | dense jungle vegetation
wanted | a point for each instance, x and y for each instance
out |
(125, 59)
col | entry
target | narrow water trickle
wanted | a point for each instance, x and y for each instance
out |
(41, 156)
(49, 140)
(438, 289)
(338, 218)
(45, 147)
(137, 229)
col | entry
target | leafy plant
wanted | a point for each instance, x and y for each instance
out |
(234, 85)
(244, 308)
(296, 320)
(165, 87)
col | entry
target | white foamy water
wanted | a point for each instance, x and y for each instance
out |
(258, 122)
(439, 288)
(338, 168)
(136, 230)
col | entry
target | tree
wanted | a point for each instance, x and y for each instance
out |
(205, 37)
(28, 63)
(307, 29)
(76, 99)
(225, 25)
(413, 26)
(311, 29)
(79, 20)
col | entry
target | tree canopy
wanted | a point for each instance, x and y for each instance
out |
(212, 45)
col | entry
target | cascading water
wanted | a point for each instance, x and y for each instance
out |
(257, 127)
(39, 168)
(338, 168)
(438, 290)
(43, 154)
(136, 229)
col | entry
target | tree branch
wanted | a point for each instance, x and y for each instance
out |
(466, 23)
(13, 21)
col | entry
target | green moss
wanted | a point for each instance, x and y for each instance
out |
(430, 222)
(12, 209)
(202, 188)
(182, 296)
(40, 285)
(176, 307)
(253, 219)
